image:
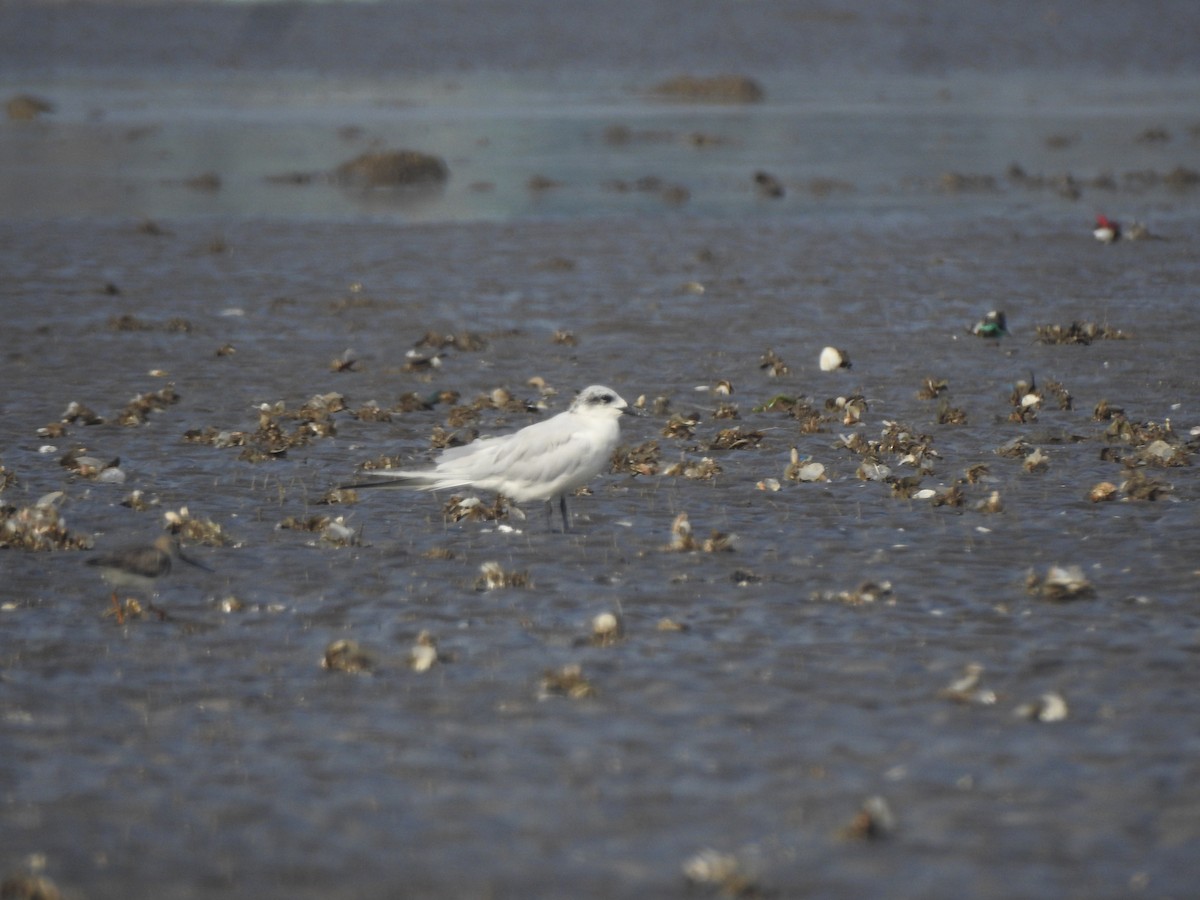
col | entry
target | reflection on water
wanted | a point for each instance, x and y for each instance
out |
(264, 148)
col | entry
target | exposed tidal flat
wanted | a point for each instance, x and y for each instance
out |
(921, 627)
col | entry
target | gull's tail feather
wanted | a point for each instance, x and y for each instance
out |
(413, 481)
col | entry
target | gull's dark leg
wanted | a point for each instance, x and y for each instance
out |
(562, 505)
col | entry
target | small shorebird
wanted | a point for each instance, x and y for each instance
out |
(1106, 230)
(139, 568)
(540, 462)
(992, 325)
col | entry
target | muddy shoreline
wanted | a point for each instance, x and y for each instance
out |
(786, 702)
(912, 644)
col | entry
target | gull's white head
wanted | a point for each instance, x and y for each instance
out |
(599, 402)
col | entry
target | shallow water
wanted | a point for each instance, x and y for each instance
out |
(210, 753)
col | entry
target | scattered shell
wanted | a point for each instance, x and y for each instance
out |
(640, 460)
(865, 593)
(667, 624)
(951, 496)
(1161, 453)
(874, 821)
(681, 535)
(723, 871)
(53, 431)
(711, 867)
(465, 341)
(772, 364)
(852, 411)
(703, 470)
(1060, 583)
(1105, 490)
(681, 426)
(338, 533)
(564, 338)
(993, 503)
(371, 411)
(719, 542)
(1050, 707)
(1139, 486)
(140, 407)
(494, 577)
(78, 413)
(345, 362)
(931, 389)
(422, 361)
(810, 472)
(803, 471)
(312, 523)
(1013, 448)
(1037, 461)
(111, 475)
(832, 359)
(195, 531)
(231, 604)
(568, 681)
(735, 439)
(607, 629)
(139, 502)
(950, 415)
(38, 527)
(683, 541)
(80, 463)
(975, 473)
(966, 689)
(873, 471)
(769, 484)
(1078, 333)
(906, 487)
(423, 654)
(1057, 390)
(473, 509)
(345, 656)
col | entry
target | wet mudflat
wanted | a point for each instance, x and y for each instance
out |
(921, 627)
(755, 699)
